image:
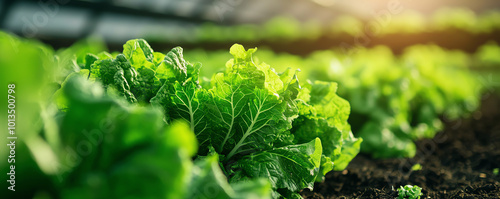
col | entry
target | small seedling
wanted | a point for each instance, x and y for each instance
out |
(409, 192)
(495, 171)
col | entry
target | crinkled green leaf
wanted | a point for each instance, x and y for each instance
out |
(291, 168)
(185, 101)
(248, 120)
(135, 84)
(409, 192)
(139, 53)
(226, 106)
(290, 92)
(247, 110)
(240, 54)
(117, 73)
(175, 68)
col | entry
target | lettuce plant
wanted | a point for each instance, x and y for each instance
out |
(260, 124)
(409, 192)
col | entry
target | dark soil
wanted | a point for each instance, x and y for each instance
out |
(457, 163)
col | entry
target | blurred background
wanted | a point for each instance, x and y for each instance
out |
(281, 25)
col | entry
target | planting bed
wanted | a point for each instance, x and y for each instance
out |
(457, 163)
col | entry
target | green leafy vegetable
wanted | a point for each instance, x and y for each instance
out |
(143, 124)
(409, 192)
(244, 115)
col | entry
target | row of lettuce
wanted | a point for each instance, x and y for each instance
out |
(143, 124)
(139, 124)
(394, 100)
(288, 29)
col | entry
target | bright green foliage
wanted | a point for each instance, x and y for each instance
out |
(394, 100)
(250, 105)
(253, 132)
(398, 100)
(246, 105)
(302, 164)
(409, 192)
(131, 73)
(83, 141)
(379, 102)
(134, 157)
(323, 114)
(119, 157)
(244, 114)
